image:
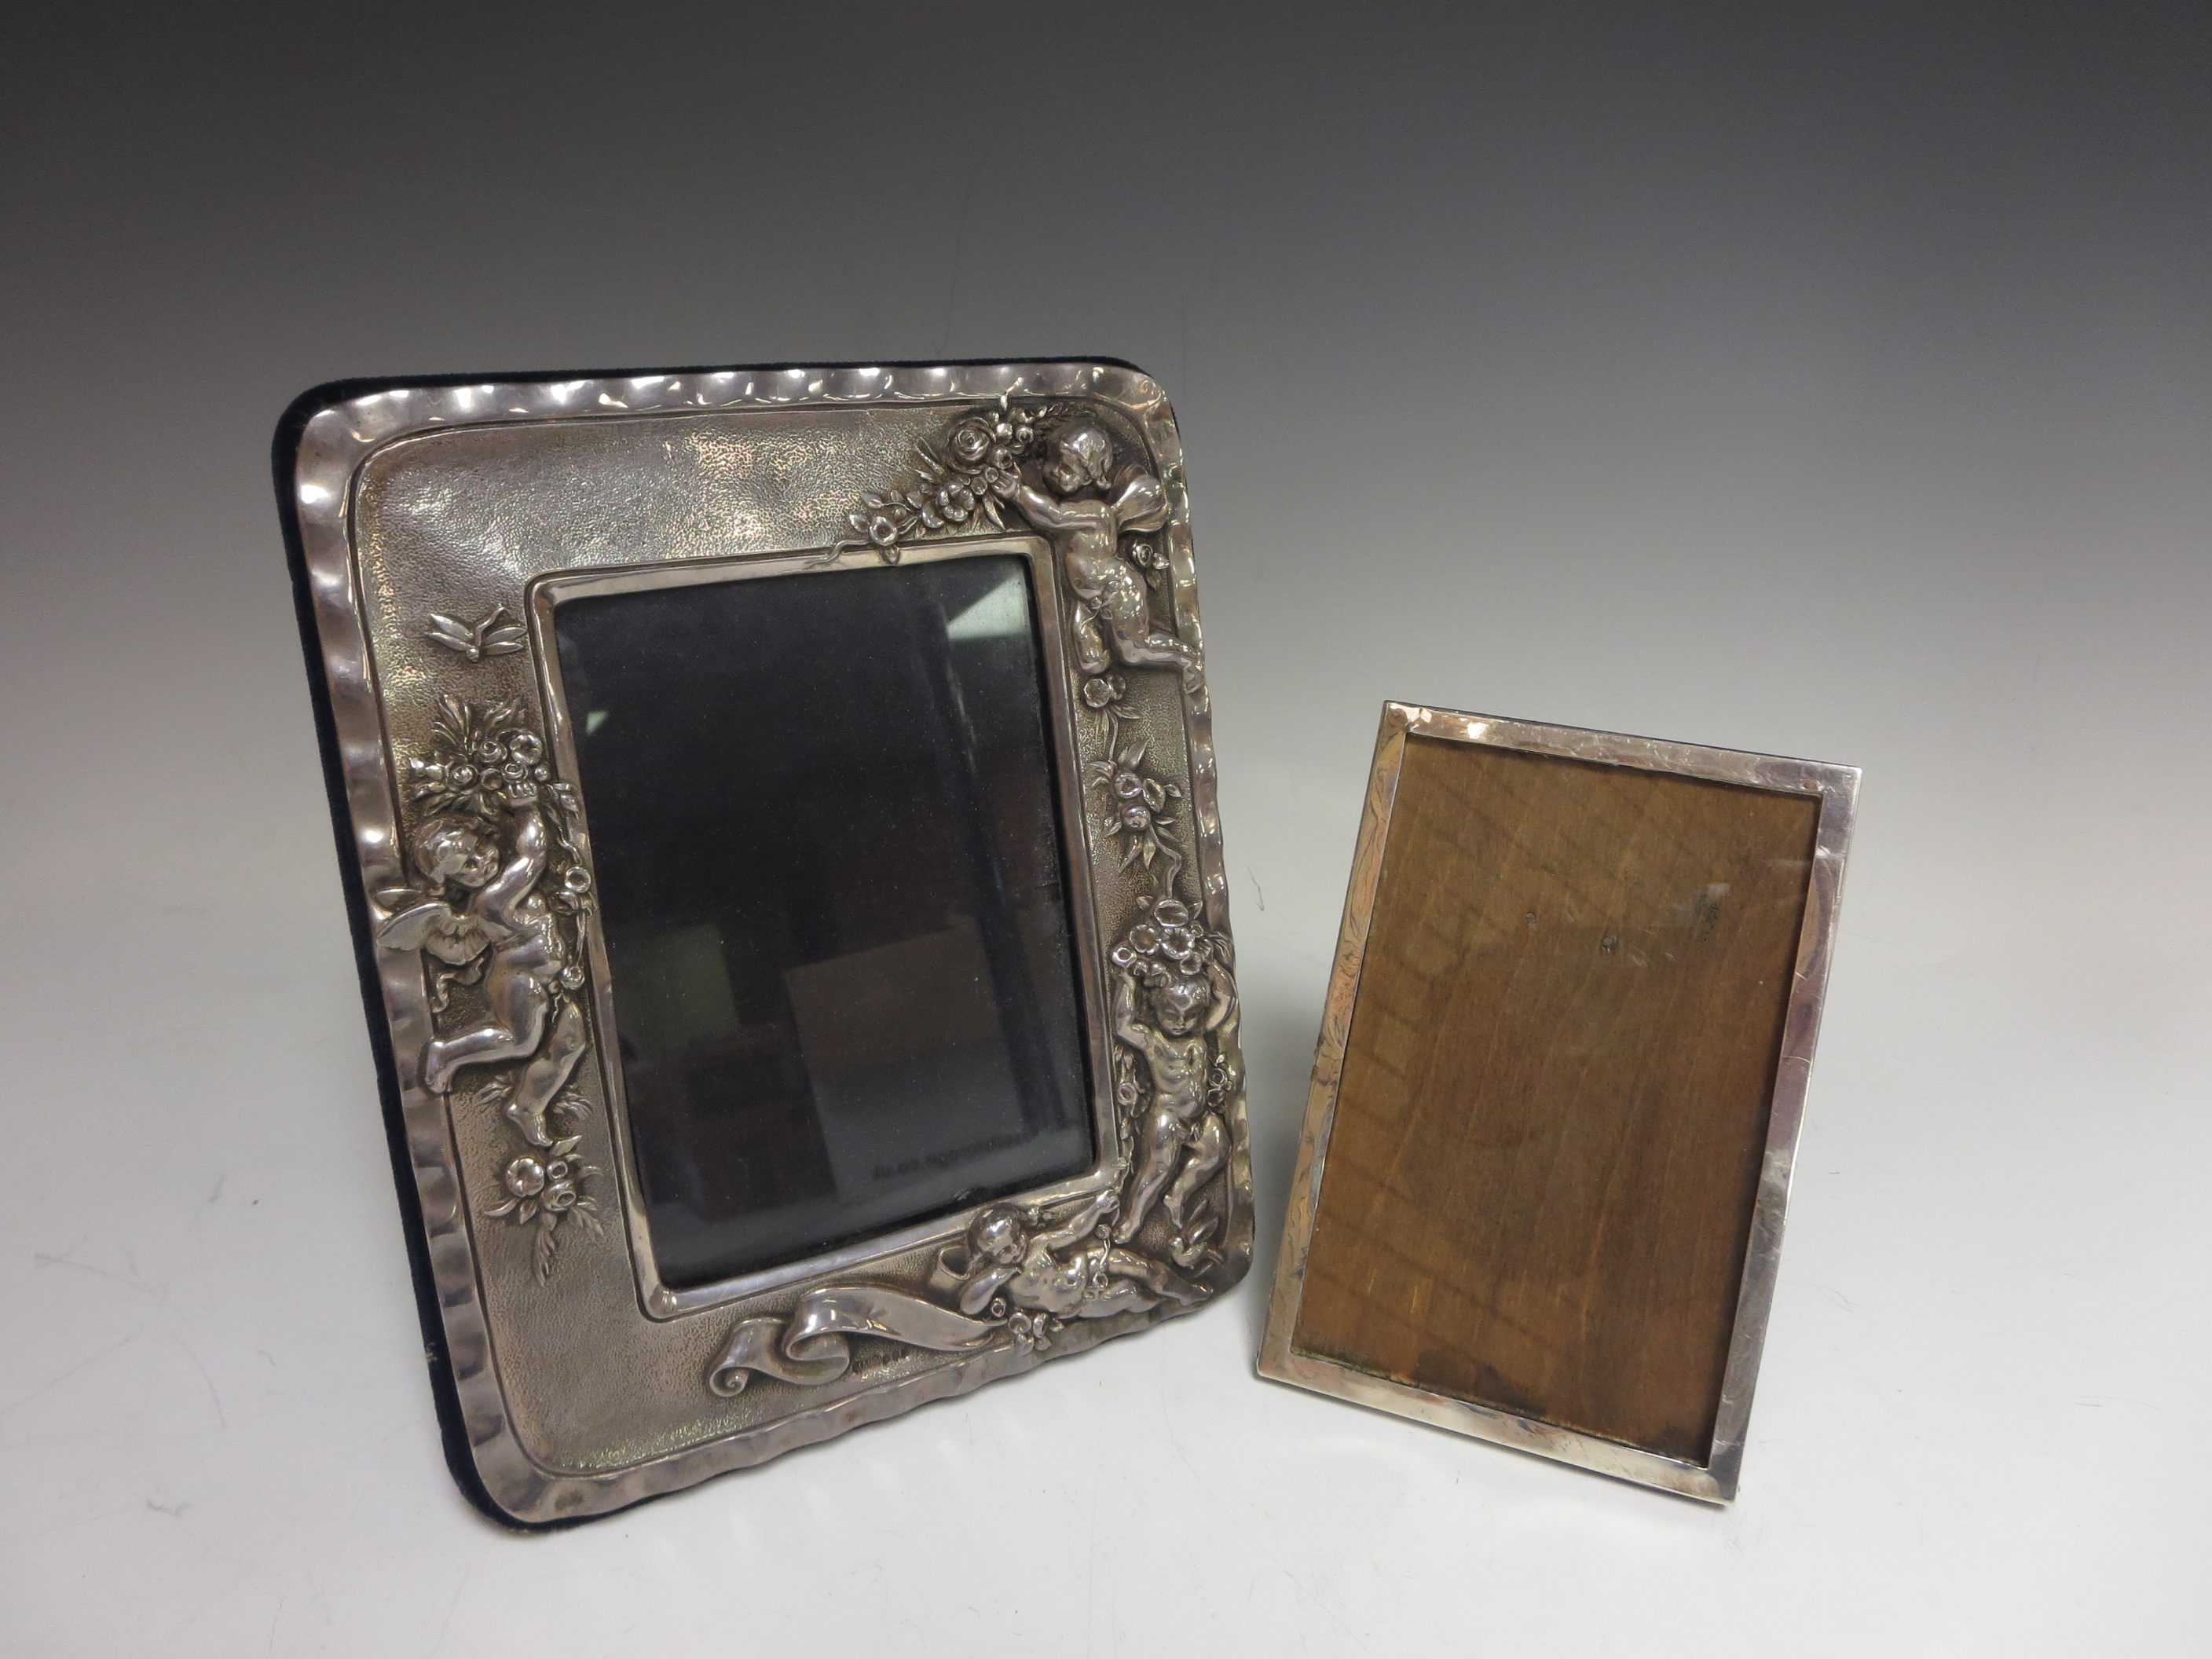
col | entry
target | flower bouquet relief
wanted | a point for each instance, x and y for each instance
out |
(545, 1187)
(1136, 802)
(954, 487)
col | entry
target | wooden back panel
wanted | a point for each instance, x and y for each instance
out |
(1537, 1188)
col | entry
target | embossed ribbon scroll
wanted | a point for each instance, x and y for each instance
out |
(810, 1348)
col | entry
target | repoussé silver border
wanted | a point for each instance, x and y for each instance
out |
(335, 442)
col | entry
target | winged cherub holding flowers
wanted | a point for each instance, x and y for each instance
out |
(502, 929)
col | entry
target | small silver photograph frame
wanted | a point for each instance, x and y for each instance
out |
(1712, 1479)
(442, 535)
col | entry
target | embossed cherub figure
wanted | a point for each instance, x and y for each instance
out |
(1082, 510)
(1180, 1141)
(1011, 1256)
(504, 921)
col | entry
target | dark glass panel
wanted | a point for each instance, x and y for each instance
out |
(822, 818)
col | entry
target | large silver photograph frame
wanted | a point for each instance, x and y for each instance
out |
(435, 530)
(1835, 789)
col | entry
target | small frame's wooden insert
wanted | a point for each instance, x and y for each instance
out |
(1548, 1134)
(1558, 1090)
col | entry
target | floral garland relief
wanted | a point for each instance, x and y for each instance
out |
(1023, 1274)
(1055, 465)
(499, 919)
(953, 488)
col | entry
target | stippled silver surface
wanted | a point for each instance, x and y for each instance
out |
(431, 519)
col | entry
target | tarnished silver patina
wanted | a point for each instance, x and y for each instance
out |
(1836, 788)
(439, 528)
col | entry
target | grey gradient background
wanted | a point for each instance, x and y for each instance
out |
(1825, 380)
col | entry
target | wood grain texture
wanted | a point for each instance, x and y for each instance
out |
(1537, 1188)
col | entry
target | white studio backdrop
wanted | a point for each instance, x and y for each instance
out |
(1830, 384)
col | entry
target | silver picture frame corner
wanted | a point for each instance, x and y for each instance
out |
(436, 528)
(1836, 788)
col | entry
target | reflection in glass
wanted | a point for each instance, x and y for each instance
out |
(822, 815)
